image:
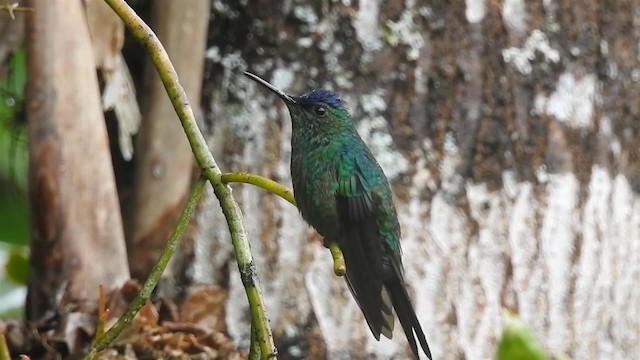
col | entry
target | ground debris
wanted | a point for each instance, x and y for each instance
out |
(193, 328)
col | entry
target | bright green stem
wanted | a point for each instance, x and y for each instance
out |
(261, 182)
(210, 170)
(254, 350)
(339, 267)
(156, 272)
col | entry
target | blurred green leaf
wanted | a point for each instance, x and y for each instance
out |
(13, 154)
(13, 147)
(12, 86)
(516, 342)
(14, 219)
(13, 159)
(17, 267)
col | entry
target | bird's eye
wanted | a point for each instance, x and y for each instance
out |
(320, 110)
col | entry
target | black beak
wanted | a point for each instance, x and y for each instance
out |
(281, 94)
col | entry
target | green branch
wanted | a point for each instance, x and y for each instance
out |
(254, 349)
(339, 267)
(156, 272)
(261, 182)
(210, 170)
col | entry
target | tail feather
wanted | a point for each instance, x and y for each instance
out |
(408, 319)
(387, 313)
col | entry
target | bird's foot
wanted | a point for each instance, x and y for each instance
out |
(339, 267)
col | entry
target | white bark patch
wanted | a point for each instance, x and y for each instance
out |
(291, 241)
(621, 273)
(374, 130)
(406, 32)
(305, 13)
(386, 348)
(536, 43)
(557, 238)
(366, 25)
(283, 170)
(232, 63)
(417, 241)
(450, 160)
(334, 308)
(208, 218)
(282, 78)
(572, 101)
(606, 132)
(514, 15)
(484, 285)
(373, 103)
(528, 276)
(375, 133)
(475, 10)
(611, 237)
(237, 315)
(448, 228)
(590, 294)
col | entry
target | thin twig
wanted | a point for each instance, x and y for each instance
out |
(156, 272)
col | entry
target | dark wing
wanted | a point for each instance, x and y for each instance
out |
(361, 245)
(372, 249)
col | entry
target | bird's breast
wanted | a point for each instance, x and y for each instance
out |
(314, 187)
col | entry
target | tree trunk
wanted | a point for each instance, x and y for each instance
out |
(77, 241)
(164, 161)
(509, 131)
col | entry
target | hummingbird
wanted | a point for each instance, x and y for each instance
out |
(342, 192)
